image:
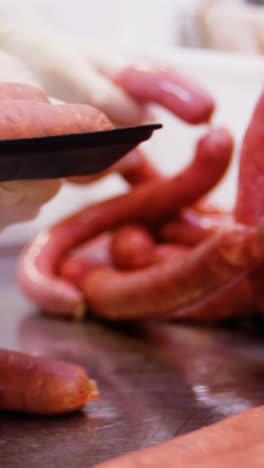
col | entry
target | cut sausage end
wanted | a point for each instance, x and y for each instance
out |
(93, 393)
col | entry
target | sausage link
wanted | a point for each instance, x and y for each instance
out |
(250, 199)
(145, 203)
(164, 252)
(191, 227)
(41, 385)
(89, 255)
(233, 301)
(170, 89)
(163, 289)
(132, 247)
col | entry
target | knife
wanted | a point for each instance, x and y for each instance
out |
(68, 155)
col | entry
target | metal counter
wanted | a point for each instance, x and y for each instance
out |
(156, 381)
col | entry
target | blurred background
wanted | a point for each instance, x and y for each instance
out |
(218, 42)
(231, 25)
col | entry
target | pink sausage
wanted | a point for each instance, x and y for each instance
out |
(233, 301)
(250, 199)
(132, 247)
(75, 269)
(163, 289)
(80, 261)
(42, 385)
(145, 203)
(191, 228)
(164, 252)
(170, 89)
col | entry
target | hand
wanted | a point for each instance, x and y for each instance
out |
(21, 200)
(124, 95)
(27, 113)
(69, 70)
(89, 73)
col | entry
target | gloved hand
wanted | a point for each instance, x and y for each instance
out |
(69, 70)
(64, 71)
(21, 200)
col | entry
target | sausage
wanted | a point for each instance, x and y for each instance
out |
(235, 442)
(75, 268)
(80, 261)
(249, 207)
(185, 231)
(167, 251)
(21, 91)
(41, 385)
(191, 227)
(36, 272)
(162, 289)
(132, 247)
(136, 168)
(168, 88)
(250, 198)
(235, 300)
(27, 119)
(207, 207)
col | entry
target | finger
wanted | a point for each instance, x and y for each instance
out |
(21, 200)
(28, 192)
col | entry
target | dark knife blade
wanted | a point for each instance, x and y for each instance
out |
(68, 155)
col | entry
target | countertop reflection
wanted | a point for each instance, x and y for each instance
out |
(156, 381)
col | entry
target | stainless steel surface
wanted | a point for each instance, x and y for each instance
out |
(156, 382)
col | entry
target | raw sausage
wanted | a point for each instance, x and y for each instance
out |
(162, 289)
(170, 89)
(41, 385)
(145, 203)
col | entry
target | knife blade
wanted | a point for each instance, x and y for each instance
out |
(68, 155)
